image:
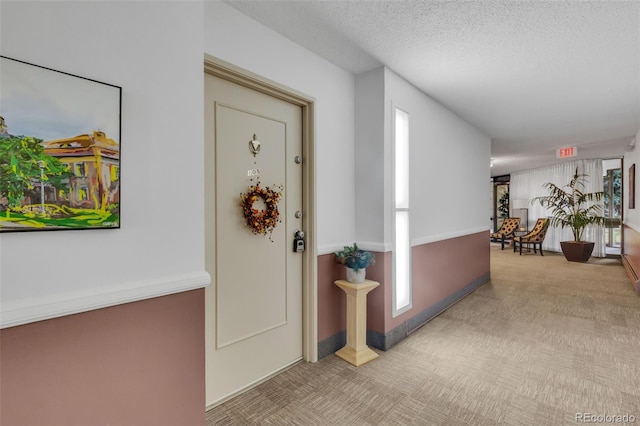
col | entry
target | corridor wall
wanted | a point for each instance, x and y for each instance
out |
(106, 326)
(449, 169)
(631, 224)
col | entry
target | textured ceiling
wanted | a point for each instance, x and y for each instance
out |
(534, 75)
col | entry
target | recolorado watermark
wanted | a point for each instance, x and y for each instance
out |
(605, 418)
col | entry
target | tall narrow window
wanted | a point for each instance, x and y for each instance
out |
(401, 237)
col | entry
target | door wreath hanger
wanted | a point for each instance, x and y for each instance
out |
(261, 222)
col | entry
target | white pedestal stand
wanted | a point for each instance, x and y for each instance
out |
(356, 351)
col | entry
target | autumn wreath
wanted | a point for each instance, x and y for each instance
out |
(261, 222)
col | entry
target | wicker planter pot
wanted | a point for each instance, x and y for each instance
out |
(577, 251)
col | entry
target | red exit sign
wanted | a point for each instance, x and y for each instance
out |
(566, 152)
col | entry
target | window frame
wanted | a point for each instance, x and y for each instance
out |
(403, 210)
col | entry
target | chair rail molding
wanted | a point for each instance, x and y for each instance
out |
(632, 226)
(38, 309)
(448, 235)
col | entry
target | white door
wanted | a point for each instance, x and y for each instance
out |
(254, 304)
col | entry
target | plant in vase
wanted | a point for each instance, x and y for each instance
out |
(573, 208)
(356, 261)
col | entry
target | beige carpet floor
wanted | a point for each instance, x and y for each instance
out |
(545, 341)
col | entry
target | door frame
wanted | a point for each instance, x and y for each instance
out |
(227, 71)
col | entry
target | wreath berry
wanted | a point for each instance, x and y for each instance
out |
(261, 222)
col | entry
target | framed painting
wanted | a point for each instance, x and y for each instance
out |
(59, 150)
(632, 186)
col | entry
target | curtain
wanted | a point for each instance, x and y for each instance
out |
(528, 185)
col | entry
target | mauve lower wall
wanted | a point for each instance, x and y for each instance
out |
(139, 363)
(442, 270)
(332, 302)
(631, 256)
(379, 299)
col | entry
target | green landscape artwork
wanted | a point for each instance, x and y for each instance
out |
(59, 150)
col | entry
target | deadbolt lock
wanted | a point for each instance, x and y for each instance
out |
(298, 241)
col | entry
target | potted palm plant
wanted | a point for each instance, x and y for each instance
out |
(572, 207)
(356, 261)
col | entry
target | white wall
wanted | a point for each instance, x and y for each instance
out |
(235, 38)
(153, 50)
(631, 216)
(370, 159)
(449, 165)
